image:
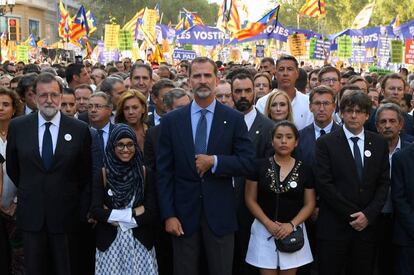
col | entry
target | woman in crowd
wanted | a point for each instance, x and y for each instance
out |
(132, 110)
(280, 197)
(279, 107)
(262, 84)
(125, 208)
(10, 107)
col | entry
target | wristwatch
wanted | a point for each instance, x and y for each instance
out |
(293, 226)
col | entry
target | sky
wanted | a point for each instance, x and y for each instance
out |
(255, 11)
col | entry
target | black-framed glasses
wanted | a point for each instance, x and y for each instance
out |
(97, 106)
(121, 146)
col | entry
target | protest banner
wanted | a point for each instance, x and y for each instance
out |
(396, 51)
(111, 36)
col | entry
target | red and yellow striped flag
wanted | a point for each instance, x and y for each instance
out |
(313, 8)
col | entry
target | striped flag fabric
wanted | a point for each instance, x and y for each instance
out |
(79, 27)
(189, 20)
(91, 21)
(253, 29)
(228, 17)
(313, 8)
(363, 17)
(64, 22)
(131, 25)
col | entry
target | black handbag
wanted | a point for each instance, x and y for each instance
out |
(295, 240)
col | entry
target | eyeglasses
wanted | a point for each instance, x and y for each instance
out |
(323, 103)
(53, 96)
(329, 80)
(121, 146)
(350, 111)
(97, 106)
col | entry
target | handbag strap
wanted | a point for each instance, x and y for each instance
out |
(272, 162)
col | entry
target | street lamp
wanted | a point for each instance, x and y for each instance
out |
(5, 6)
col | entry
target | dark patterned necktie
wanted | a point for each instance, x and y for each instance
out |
(200, 146)
(357, 157)
(47, 147)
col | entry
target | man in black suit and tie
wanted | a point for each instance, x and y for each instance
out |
(389, 120)
(259, 131)
(402, 194)
(201, 147)
(159, 89)
(49, 161)
(352, 176)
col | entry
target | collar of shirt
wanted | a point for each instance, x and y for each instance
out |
(105, 129)
(196, 108)
(348, 134)
(249, 118)
(397, 148)
(55, 120)
(327, 129)
(27, 110)
(157, 118)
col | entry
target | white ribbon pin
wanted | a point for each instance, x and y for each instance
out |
(293, 184)
(110, 193)
(68, 137)
(367, 153)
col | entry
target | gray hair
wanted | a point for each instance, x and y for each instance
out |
(107, 85)
(391, 107)
(175, 93)
(104, 96)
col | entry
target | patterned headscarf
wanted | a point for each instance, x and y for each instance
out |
(125, 179)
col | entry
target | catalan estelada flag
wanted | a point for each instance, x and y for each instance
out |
(253, 29)
(30, 41)
(131, 25)
(228, 17)
(79, 27)
(91, 21)
(189, 20)
(313, 8)
(64, 21)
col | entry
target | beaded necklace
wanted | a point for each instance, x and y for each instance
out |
(291, 181)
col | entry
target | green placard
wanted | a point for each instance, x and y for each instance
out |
(312, 44)
(396, 51)
(345, 47)
(125, 40)
(22, 53)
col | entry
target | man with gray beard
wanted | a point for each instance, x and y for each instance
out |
(47, 160)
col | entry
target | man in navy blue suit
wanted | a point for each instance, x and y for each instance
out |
(201, 147)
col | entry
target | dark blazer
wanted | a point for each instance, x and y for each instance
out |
(150, 121)
(106, 233)
(342, 193)
(51, 197)
(84, 117)
(151, 147)
(402, 194)
(182, 193)
(307, 140)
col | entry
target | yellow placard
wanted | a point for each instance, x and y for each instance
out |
(297, 44)
(22, 53)
(111, 36)
(147, 28)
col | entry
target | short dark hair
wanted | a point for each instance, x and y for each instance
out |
(390, 107)
(302, 80)
(83, 86)
(392, 76)
(321, 90)
(161, 84)
(68, 91)
(107, 85)
(265, 75)
(26, 81)
(47, 78)
(349, 87)
(268, 59)
(241, 76)
(356, 99)
(314, 71)
(328, 69)
(286, 123)
(138, 66)
(287, 58)
(175, 93)
(31, 68)
(202, 59)
(73, 69)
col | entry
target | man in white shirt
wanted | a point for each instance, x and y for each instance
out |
(287, 72)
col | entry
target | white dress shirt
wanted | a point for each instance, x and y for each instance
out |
(27, 110)
(105, 133)
(157, 118)
(53, 128)
(250, 117)
(360, 143)
(327, 129)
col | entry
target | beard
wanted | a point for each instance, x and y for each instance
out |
(48, 112)
(243, 105)
(203, 92)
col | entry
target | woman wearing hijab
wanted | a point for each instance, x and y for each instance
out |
(125, 209)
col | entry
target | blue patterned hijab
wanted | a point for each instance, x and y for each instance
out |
(124, 179)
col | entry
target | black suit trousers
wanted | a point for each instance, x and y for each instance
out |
(38, 246)
(355, 257)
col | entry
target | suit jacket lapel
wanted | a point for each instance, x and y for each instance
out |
(60, 142)
(34, 132)
(256, 128)
(217, 128)
(348, 156)
(186, 134)
(368, 152)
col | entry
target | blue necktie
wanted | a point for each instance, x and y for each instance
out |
(357, 157)
(101, 140)
(200, 146)
(47, 147)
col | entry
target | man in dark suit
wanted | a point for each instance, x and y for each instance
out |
(402, 194)
(259, 131)
(159, 89)
(49, 161)
(389, 120)
(352, 176)
(201, 147)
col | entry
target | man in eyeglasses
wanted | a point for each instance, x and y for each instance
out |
(99, 113)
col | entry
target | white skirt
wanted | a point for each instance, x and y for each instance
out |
(262, 253)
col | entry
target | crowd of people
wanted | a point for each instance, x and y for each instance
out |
(205, 168)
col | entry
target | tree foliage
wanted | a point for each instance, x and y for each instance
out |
(341, 13)
(123, 10)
